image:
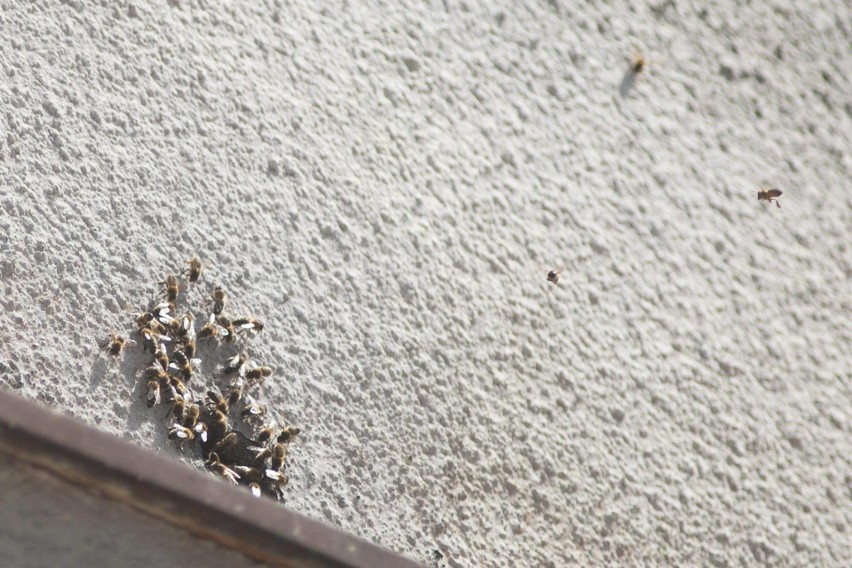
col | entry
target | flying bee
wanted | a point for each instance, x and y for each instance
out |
(258, 373)
(219, 401)
(217, 299)
(183, 365)
(226, 324)
(171, 290)
(554, 276)
(279, 455)
(212, 330)
(193, 273)
(769, 195)
(638, 64)
(248, 324)
(288, 434)
(178, 432)
(216, 466)
(116, 344)
(234, 364)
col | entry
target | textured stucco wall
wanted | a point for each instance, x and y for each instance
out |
(386, 185)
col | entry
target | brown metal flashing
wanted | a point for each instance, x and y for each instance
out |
(169, 490)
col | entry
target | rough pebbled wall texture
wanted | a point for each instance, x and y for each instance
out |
(386, 184)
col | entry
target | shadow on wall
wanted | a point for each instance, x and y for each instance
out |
(627, 83)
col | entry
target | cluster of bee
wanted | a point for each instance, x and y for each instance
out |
(258, 460)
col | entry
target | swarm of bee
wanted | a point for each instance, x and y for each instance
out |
(256, 460)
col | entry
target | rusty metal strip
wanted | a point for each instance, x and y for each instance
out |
(182, 496)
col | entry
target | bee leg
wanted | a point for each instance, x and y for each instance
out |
(778, 203)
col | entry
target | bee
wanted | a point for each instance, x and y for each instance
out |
(226, 443)
(218, 422)
(144, 319)
(151, 338)
(177, 386)
(219, 401)
(770, 195)
(235, 393)
(171, 290)
(183, 365)
(217, 299)
(277, 477)
(153, 392)
(234, 364)
(116, 344)
(233, 447)
(212, 330)
(193, 273)
(190, 418)
(189, 348)
(260, 459)
(258, 373)
(638, 64)
(216, 466)
(253, 410)
(200, 430)
(181, 328)
(265, 434)
(156, 373)
(161, 312)
(248, 324)
(288, 434)
(226, 324)
(279, 455)
(161, 356)
(178, 432)
(253, 475)
(554, 276)
(178, 408)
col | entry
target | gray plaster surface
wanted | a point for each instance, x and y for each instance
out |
(386, 185)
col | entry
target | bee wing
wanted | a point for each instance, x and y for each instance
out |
(245, 326)
(774, 192)
(255, 489)
(274, 475)
(195, 362)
